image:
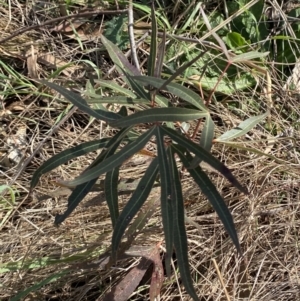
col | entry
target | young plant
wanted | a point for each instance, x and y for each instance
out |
(160, 117)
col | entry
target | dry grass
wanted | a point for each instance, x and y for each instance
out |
(33, 249)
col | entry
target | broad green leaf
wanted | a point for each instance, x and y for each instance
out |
(113, 161)
(153, 43)
(180, 238)
(111, 194)
(123, 100)
(159, 115)
(114, 86)
(243, 57)
(77, 195)
(119, 58)
(243, 128)
(204, 155)
(208, 133)
(79, 102)
(184, 93)
(136, 201)
(235, 40)
(212, 194)
(165, 194)
(65, 156)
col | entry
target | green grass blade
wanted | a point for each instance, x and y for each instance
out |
(204, 155)
(111, 194)
(79, 102)
(136, 201)
(208, 133)
(22, 295)
(154, 115)
(212, 194)
(180, 238)
(153, 44)
(166, 212)
(176, 89)
(243, 128)
(113, 161)
(65, 156)
(77, 195)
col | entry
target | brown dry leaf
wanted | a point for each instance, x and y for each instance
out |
(123, 290)
(157, 278)
(31, 56)
(53, 62)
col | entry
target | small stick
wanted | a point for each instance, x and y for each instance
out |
(131, 36)
(221, 279)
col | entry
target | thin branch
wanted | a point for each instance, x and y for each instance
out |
(63, 18)
(131, 36)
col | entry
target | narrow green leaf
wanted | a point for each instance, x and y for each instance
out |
(154, 115)
(123, 100)
(167, 217)
(136, 201)
(77, 195)
(212, 194)
(119, 58)
(176, 89)
(160, 56)
(180, 238)
(113, 161)
(79, 102)
(111, 194)
(65, 156)
(206, 139)
(243, 128)
(83, 189)
(153, 43)
(208, 133)
(114, 86)
(204, 155)
(181, 70)
(243, 57)
(137, 88)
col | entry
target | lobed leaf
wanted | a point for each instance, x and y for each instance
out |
(136, 201)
